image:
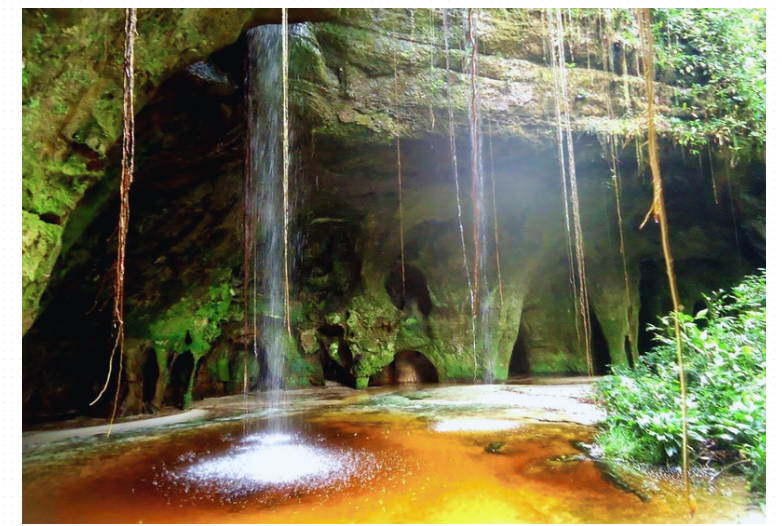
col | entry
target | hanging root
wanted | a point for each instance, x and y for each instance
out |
(476, 203)
(617, 179)
(399, 173)
(285, 169)
(583, 297)
(561, 158)
(454, 162)
(658, 209)
(128, 148)
(496, 226)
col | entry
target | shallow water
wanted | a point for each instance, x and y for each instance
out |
(452, 454)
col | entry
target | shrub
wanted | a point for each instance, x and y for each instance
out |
(725, 366)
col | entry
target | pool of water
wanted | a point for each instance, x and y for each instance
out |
(448, 454)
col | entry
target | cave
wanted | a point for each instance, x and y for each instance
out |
(653, 294)
(414, 293)
(344, 238)
(601, 355)
(180, 369)
(408, 367)
(519, 361)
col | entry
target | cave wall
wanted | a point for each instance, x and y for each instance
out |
(184, 272)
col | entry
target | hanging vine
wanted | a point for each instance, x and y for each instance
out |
(564, 123)
(285, 170)
(399, 169)
(455, 164)
(658, 211)
(128, 149)
(476, 202)
(496, 225)
(615, 173)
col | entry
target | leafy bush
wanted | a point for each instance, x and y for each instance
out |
(725, 366)
(718, 58)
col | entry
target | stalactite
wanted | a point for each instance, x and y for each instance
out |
(496, 223)
(476, 202)
(454, 162)
(285, 169)
(399, 171)
(128, 150)
(658, 210)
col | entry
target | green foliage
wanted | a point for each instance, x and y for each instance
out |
(725, 362)
(718, 59)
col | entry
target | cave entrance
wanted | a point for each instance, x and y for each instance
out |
(519, 358)
(336, 368)
(416, 290)
(408, 367)
(649, 287)
(181, 369)
(629, 352)
(601, 356)
(150, 373)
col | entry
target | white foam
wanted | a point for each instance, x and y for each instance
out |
(277, 464)
(273, 460)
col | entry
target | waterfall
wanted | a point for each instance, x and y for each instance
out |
(455, 164)
(481, 296)
(268, 210)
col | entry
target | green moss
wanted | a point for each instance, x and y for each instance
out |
(193, 324)
(559, 362)
(40, 249)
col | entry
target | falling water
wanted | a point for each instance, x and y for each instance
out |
(481, 297)
(454, 162)
(267, 216)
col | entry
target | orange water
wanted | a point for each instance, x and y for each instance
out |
(418, 476)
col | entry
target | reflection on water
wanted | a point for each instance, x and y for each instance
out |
(360, 463)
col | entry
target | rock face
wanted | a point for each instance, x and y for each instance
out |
(355, 322)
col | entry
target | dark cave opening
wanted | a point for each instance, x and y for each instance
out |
(519, 358)
(334, 370)
(181, 369)
(408, 367)
(650, 288)
(150, 373)
(601, 356)
(416, 291)
(629, 352)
